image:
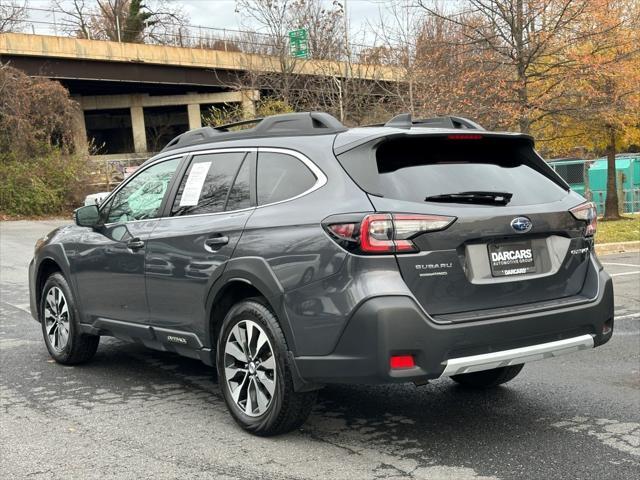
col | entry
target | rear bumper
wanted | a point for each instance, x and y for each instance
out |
(396, 325)
(516, 356)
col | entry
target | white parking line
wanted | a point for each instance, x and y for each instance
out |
(635, 272)
(628, 316)
(21, 306)
(621, 264)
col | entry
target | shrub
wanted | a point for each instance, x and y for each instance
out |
(41, 168)
(231, 113)
(46, 186)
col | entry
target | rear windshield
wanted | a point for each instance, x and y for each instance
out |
(413, 168)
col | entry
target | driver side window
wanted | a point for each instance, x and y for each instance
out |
(141, 197)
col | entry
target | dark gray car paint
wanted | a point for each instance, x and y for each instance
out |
(453, 251)
(109, 275)
(320, 293)
(179, 261)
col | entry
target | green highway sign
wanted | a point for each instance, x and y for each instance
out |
(298, 43)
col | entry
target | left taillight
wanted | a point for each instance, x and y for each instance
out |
(381, 233)
(587, 213)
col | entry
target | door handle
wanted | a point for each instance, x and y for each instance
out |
(135, 244)
(216, 242)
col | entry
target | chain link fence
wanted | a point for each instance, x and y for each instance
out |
(589, 178)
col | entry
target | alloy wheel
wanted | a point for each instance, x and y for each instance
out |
(250, 368)
(56, 319)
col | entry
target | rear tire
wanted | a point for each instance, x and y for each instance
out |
(59, 320)
(488, 378)
(255, 372)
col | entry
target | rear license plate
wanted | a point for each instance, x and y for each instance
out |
(511, 258)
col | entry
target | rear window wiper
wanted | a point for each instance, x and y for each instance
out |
(483, 198)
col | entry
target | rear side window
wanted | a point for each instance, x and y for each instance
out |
(412, 169)
(214, 183)
(281, 177)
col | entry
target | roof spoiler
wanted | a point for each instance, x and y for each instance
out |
(405, 120)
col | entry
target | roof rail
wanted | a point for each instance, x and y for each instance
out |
(304, 123)
(192, 136)
(227, 126)
(404, 120)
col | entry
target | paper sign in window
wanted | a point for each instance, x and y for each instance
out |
(195, 181)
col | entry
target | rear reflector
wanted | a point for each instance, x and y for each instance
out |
(343, 230)
(401, 361)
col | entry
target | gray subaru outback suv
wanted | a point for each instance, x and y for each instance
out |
(299, 253)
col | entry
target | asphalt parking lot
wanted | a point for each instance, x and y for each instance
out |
(136, 413)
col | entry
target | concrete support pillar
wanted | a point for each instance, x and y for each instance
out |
(195, 121)
(248, 102)
(137, 125)
(80, 139)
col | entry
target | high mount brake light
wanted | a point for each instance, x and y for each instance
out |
(386, 232)
(464, 136)
(587, 212)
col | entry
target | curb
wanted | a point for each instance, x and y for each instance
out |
(617, 247)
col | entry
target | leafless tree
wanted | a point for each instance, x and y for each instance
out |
(157, 21)
(398, 31)
(168, 25)
(528, 36)
(12, 16)
(77, 19)
(334, 85)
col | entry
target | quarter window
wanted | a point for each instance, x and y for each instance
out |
(214, 183)
(281, 177)
(141, 197)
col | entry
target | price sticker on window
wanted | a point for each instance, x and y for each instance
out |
(194, 184)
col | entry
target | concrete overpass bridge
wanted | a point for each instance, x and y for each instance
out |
(135, 97)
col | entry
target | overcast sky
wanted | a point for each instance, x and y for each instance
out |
(221, 13)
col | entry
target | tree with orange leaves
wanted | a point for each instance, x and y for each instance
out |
(602, 90)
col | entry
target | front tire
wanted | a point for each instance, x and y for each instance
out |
(59, 320)
(255, 372)
(488, 378)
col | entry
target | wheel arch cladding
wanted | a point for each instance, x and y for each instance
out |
(245, 278)
(46, 268)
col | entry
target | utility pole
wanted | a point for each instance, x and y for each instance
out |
(346, 31)
(347, 65)
(338, 83)
(117, 15)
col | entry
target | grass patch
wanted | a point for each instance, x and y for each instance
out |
(625, 230)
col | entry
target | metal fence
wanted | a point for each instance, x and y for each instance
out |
(629, 201)
(588, 177)
(51, 21)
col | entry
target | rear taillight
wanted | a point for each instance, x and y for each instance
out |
(587, 213)
(386, 232)
(376, 234)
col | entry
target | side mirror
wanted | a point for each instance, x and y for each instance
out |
(87, 216)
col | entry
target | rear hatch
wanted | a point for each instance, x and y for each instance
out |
(514, 243)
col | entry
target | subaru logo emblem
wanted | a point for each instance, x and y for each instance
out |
(521, 224)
